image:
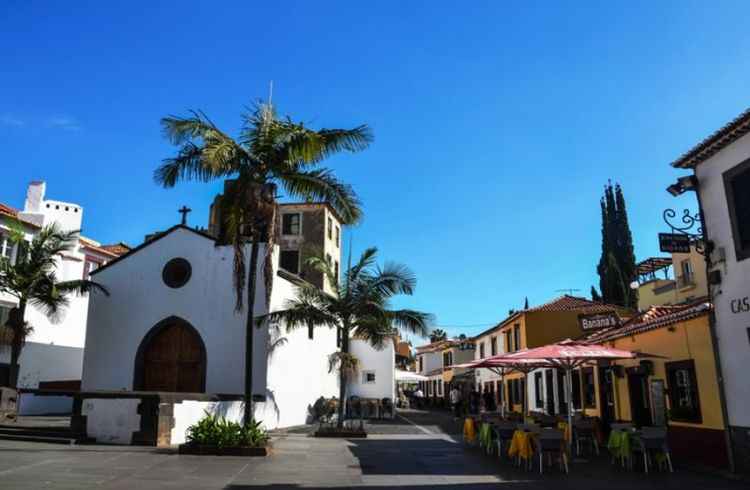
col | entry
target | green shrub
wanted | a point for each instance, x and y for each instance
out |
(213, 430)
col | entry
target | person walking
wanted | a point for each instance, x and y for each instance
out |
(455, 397)
(419, 398)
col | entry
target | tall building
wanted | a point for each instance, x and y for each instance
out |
(721, 176)
(53, 353)
(304, 230)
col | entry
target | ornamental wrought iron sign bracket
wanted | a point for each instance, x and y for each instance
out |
(685, 231)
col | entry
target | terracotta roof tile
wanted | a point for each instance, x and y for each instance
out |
(567, 303)
(723, 137)
(7, 210)
(117, 248)
(653, 318)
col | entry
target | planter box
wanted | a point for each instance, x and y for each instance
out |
(222, 451)
(344, 434)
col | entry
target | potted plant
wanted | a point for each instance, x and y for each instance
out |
(218, 436)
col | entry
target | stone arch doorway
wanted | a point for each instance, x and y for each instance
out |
(172, 358)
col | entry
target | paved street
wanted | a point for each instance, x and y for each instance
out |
(413, 452)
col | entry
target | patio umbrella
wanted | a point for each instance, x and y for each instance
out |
(409, 377)
(571, 354)
(501, 366)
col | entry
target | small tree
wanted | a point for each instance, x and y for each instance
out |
(437, 335)
(32, 280)
(359, 310)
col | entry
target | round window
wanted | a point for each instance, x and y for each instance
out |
(176, 273)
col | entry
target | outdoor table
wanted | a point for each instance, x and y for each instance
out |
(485, 437)
(620, 444)
(470, 434)
(522, 445)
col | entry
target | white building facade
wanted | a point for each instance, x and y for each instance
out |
(54, 349)
(721, 164)
(170, 327)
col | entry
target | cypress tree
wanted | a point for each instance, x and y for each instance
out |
(616, 266)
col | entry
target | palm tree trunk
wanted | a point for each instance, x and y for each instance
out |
(342, 377)
(15, 349)
(249, 330)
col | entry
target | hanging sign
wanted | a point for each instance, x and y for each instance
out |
(598, 320)
(674, 243)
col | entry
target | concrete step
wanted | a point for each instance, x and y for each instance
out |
(52, 435)
(30, 438)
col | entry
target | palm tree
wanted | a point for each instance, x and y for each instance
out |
(359, 310)
(32, 281)
(269, 152)
(438, 335)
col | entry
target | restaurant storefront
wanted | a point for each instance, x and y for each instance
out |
(680, 390)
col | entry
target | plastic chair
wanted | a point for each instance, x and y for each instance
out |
(654, 439)
(503, 435)
(584, 431)
(552, 441)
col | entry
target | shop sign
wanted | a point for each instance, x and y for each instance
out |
(598, 320)
(674, 243)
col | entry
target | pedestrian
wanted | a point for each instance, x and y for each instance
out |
(419, 397)
(455, 397)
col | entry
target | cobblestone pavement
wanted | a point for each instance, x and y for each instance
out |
(413, 452)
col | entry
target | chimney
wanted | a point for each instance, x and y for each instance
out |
(35, 196)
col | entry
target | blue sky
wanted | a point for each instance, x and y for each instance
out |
(496, 123)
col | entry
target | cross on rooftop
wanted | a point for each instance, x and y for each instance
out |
(184, 210)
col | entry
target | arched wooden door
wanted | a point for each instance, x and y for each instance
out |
(171, 358)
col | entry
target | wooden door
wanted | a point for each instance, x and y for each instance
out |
(174, 360)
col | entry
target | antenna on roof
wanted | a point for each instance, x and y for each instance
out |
(569, 291)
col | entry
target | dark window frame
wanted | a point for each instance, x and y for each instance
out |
(538, 390)
(589, 389)
(493, 346)
(177, 272)
(281, 260)
(516, 337)
(287, 228)
(671, 368)
(481, 350)
(741, 252)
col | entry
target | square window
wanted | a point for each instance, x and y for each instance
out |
(736, 185)
(368, 377)
(289, 261)
(290, 224)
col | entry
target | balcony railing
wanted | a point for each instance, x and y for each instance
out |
(665, 288)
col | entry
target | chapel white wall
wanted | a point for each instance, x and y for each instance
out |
(139, 299)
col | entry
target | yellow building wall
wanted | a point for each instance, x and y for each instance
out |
(647, 297)
(699, 273)
(688, 340)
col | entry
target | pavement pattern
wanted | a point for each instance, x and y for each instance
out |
(416, 451)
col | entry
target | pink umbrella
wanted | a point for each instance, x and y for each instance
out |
(502, 365)
(571, 354)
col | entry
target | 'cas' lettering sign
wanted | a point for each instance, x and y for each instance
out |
(599, 320)
(740, 305)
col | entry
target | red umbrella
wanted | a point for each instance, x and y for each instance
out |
(570, 354)
(501, 365)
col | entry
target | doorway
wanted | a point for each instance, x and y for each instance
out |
(607, 394)
(171, 358)
(640, 406)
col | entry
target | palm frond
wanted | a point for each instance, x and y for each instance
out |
(322, 185)
(411, 321)
(394, 279)
(81, 286)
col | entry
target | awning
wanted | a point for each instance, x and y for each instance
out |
(408, 376)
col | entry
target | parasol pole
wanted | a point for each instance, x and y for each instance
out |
(569, 390)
